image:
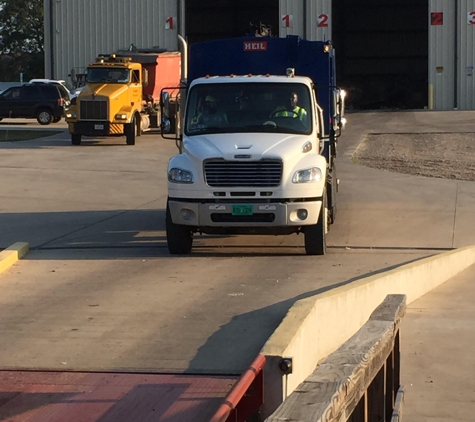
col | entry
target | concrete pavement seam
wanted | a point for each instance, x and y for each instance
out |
(12, 254)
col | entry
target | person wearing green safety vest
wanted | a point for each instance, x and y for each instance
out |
(292, 110)
(210, 116)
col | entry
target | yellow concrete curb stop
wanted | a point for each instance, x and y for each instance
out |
(12, 254)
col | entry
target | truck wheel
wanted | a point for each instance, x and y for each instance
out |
(131, 132)
(332, 188)
(315, 236)
(172, 125)
(75, 139)
(179, 238)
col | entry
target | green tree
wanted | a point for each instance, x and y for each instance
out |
(21, 39)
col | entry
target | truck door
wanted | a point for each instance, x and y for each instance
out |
(136, 90)
(29, 98)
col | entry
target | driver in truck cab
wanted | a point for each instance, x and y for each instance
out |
(210, 115)
(292, 109)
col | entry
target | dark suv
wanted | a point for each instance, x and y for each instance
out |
(44, 101)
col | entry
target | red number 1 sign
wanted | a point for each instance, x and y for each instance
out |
(170, 23)
(286, 21)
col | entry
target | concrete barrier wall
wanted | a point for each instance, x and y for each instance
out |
(315, 327)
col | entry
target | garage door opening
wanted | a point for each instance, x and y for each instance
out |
(382, 52)
(211, 20)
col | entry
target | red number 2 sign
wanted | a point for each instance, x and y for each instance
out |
(322, 20)
(436, 18)
(471, 18)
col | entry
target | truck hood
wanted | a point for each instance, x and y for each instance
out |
(103, 90)
(247, 146)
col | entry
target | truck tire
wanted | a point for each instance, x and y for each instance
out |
(332, 188)
(179, 238)
(315, 236)
(75, 139)
(130, 132)
(173, 125)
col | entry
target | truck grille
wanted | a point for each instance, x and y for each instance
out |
(229, 174)
(93, 109)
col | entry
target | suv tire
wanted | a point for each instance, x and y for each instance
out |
(44, 116)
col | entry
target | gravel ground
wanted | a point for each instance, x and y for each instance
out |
(442, 155)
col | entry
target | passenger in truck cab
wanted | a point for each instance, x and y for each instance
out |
(210, 115)
(292, 109)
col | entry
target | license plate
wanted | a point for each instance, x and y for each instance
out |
(242, 209)
(99, 127)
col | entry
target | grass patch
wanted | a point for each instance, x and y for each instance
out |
(25, 135)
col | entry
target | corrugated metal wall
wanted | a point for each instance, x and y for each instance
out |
(81, 29)
(310, 19)
(441, 55)
(466, 56)
(318, 20)
(292, 18)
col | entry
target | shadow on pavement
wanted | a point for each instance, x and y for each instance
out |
(232, 348)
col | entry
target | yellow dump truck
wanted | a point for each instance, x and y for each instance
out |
(122, 94)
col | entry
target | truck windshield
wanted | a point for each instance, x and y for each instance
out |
(114, 75)
(249, 107)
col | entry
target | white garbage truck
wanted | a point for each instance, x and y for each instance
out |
(257, 143)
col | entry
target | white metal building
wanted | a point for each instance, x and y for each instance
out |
(452, 55)
(76, 31)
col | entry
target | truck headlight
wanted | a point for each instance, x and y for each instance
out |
(70, 115)
(311, 175)
(121, 116)
(176, 175)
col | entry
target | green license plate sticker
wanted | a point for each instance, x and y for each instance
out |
(242, 210)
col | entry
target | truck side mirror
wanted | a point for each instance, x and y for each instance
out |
(165, 112)
(339, 107)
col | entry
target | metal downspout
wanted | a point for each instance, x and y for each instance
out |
(51, 39)
(456, 39)
(305, 35)
(181, 17)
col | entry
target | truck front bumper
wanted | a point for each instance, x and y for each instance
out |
(96, 128)
(289, 216)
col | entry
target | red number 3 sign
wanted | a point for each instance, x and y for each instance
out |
(323, 21)
(471, 18)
